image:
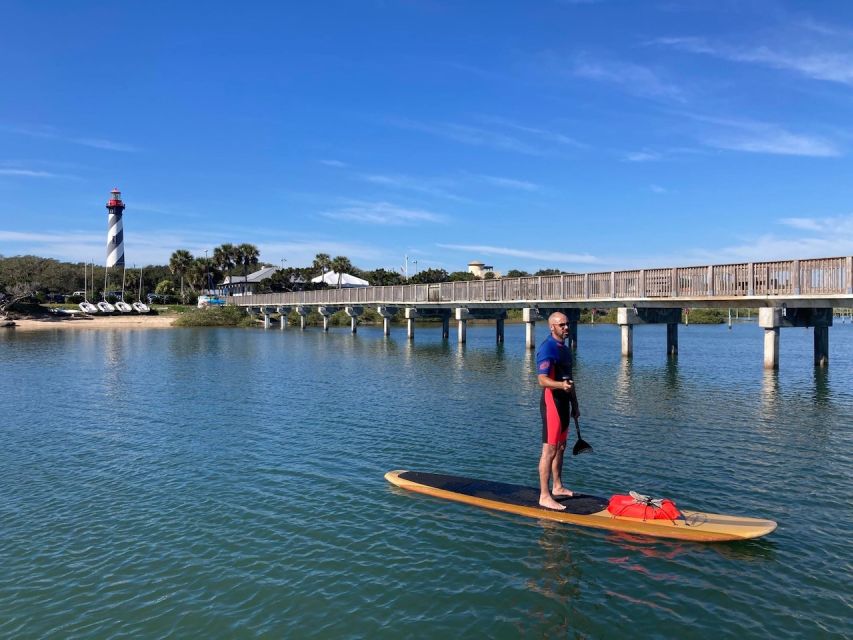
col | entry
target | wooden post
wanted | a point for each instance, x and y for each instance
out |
(499, 330)
(445, 327)
(750, 274)
(848, 263)
(795, 278)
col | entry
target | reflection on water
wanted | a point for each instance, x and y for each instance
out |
(672, 380)
(203, 499)
(556, 576)
(821, 386)
(622, 397)
(770, 395)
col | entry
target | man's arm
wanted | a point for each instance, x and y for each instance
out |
(548, 383)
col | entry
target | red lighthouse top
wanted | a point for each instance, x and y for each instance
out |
(115, 198)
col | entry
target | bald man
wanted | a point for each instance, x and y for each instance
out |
(558, 405)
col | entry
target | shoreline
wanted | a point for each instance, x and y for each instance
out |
(92, 322)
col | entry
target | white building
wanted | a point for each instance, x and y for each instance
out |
(480, 269)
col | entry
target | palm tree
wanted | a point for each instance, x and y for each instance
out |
(196, 274)
(178, 265)
(322, 263)
(340, 265)
(247, 255)
(224, 258)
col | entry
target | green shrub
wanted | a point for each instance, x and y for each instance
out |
(228, 316)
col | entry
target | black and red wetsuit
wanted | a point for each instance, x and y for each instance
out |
(554, 359)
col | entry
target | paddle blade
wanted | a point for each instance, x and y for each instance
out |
(581, 446)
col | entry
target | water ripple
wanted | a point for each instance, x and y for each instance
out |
(214, 483)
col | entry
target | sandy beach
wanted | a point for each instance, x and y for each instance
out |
(93, 322)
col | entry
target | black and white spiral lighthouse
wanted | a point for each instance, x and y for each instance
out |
(115, 231)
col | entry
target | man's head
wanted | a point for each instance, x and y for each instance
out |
(559, 325)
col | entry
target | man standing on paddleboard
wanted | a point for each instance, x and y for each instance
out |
(558, 405)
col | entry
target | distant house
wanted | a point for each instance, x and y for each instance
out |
(234, 285)
(480, 269)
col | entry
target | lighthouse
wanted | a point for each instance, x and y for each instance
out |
(115, 233)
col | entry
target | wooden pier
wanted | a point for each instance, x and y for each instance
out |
(787, 293)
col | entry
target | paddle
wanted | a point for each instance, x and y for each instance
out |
(581, 446)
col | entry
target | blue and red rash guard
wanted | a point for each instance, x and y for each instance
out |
(554, 359)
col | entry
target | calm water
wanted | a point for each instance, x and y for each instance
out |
(229, 483)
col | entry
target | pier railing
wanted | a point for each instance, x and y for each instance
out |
(811, 278)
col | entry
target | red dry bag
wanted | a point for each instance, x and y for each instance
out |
(640, 506)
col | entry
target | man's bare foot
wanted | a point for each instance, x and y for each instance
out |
(562, 491)
(549, 503)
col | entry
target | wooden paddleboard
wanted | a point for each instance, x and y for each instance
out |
(583, 510)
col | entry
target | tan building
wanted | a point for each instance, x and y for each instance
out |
(480, 269)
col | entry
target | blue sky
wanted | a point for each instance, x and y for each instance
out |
(583, 135)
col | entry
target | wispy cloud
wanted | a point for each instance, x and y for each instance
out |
(831, 227)
(634, 79)
(429, 186)
(656, 188)
(545, 256)
(383, 213)
(773, 140)
(471, 135)
(155, 247)
(510, 183)
(499, 133)
(27, 173)
(334, 163)
(545, 135)
(641, 156)
(301, 253)
(761, 137)
(828, 65)
(799, 237)
(52, 134)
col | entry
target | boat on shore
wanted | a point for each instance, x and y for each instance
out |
(86, 306)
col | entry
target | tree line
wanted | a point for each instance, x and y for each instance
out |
(186, 276)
